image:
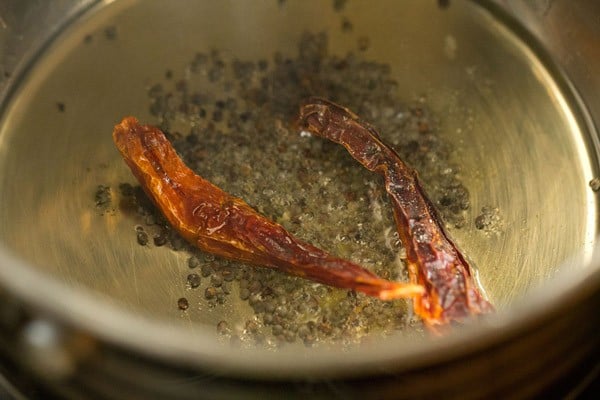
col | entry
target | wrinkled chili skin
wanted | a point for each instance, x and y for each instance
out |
(224, 225)
(433, 260)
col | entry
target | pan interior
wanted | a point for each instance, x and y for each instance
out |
(511, 136)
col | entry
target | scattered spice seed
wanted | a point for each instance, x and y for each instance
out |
(251, 326)
(142, 237)
(206, 270)
(338, 5)
(443, 4)
(183, 303)
(223, 328)
(244, 294)
(160, 240)
(216, 280)
(102, 197)
(489, 220)
(210, 293)
(193, 280)
(126, 189)
(110, 32)
(346, 25)
(193, 262)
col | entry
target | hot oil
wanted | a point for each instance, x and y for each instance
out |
(463, 100)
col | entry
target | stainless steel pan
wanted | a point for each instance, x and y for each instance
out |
(509, 87)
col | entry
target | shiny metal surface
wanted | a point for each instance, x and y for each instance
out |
(524, 142)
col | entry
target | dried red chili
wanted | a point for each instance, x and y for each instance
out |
(433, 260)
(224, 225)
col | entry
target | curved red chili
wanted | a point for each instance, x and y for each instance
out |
(219, 223)
(433, 260)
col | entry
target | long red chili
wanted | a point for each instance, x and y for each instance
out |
(219, 223)
(433, 260)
